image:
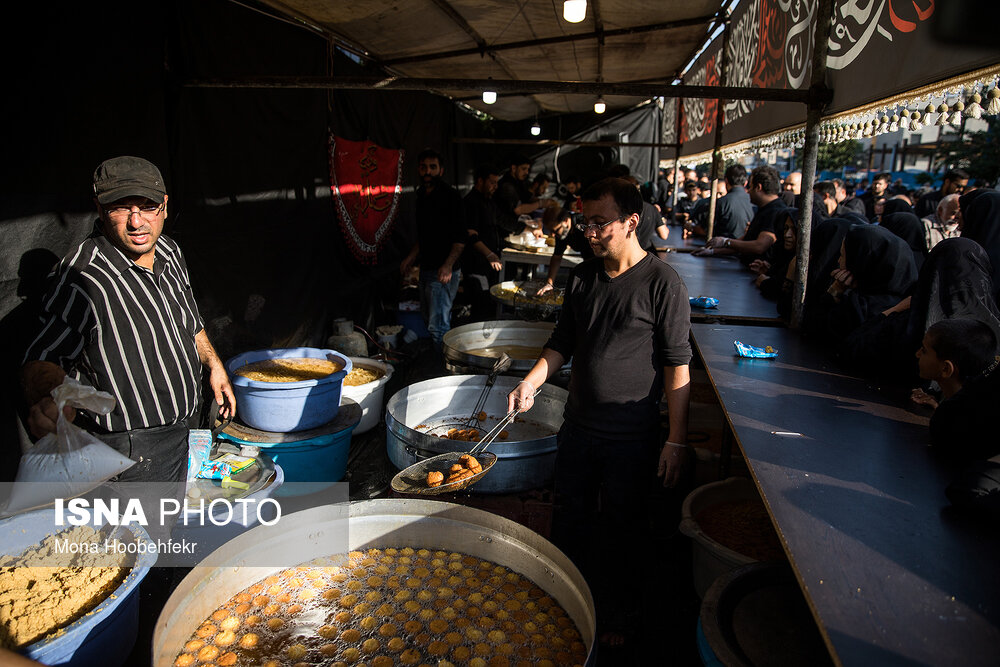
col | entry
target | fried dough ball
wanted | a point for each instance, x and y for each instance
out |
(332, 594)
(227, 659)
(413, 627)
(252, 619)
(382, 661)
(434, 478)
(350, 636)
(461, 653)
(208, 653)
(275, 623)
(328, 631)
(194, 645)
(370, 645)
(184, 660)
(410, 656)
(206, 630)
(225, 638)
(249, 640)
(351, 654)
(342, 617)
(328, 650)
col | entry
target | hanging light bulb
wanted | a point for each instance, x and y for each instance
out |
(536, 129)
(600, 106)
(489, 96)
(574, 11)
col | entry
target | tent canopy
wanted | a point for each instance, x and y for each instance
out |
(620, 41)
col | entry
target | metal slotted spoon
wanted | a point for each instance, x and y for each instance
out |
(472, 421)
(413, 479)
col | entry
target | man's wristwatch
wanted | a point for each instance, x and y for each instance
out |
(725, 244)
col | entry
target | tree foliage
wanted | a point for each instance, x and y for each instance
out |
(978, 152)
(834, 157)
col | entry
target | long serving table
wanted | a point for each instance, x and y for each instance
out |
(892, 575)
(533, 260)
(726, 279)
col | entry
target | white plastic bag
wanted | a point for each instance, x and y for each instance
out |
(69, 462)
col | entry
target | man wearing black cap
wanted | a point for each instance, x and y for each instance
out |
(120, 315)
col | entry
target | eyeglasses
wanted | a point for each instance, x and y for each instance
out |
(125, 212)
(595, 226)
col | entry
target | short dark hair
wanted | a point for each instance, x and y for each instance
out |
(619, 171)
(542, 178)
(953, 175)
(429, 153)
(826, 188)
(838, 183)
(968, 344)
(767, 178)
(518, 159)
(627, 199)
(484, 171)
(883, 176)
(692, 184)
(736, 174)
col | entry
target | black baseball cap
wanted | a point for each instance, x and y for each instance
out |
(128, 176)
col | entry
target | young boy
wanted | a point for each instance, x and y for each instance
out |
(960, 355)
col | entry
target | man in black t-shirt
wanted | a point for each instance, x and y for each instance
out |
(878, 190)
(624, 323)
(767, 224)
(441, 236)
(514, 197)
(480, 260)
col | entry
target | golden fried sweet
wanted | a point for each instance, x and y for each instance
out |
(389, 607)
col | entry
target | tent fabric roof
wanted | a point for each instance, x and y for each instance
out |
(410, 38)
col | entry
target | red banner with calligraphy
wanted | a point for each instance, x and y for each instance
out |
(366, 181)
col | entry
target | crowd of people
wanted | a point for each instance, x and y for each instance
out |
(906, 300)
(459, 239)
(886, 266)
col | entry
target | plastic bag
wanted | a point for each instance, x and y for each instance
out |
(69, 462)
(751, 352)
(703, 301)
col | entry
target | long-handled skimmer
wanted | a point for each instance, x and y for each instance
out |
(413, 479)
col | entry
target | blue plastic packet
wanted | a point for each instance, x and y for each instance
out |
(215, 470)
(752, 352)
(704, 301)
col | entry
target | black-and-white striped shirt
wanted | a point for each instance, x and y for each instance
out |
(125, 330)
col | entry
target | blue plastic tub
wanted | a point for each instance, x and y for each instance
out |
(414, 321)
(285, 407)
(106, 634)
(311, 465)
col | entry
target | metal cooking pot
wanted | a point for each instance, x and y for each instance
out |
(526, 459)
(472, 348)
(306, 535)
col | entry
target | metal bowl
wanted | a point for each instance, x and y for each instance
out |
(306, 535)
(525, 460)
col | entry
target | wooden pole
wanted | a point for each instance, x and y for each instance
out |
(814, 114)
(719, 118)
